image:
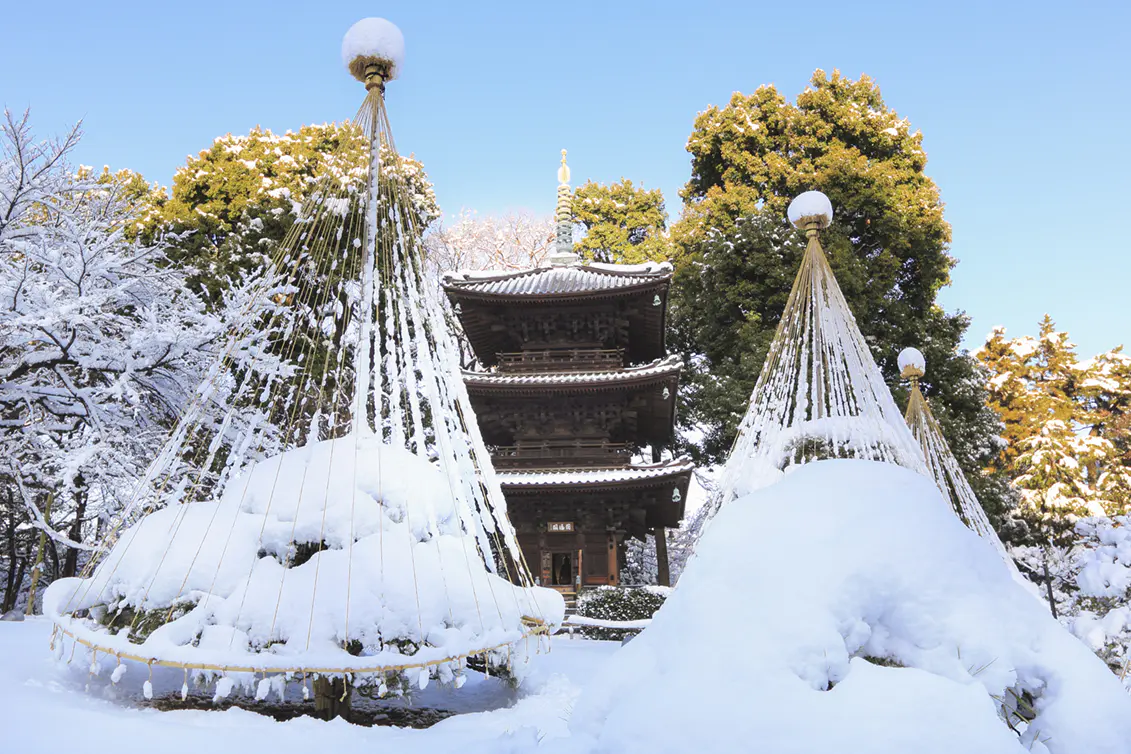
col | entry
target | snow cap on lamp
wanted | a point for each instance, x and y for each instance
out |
(811, 208)
(373, 41)
(911, 363)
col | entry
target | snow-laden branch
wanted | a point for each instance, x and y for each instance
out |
(38, 522)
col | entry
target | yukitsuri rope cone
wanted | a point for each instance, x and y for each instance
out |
(941, 462)
(820, 394)
(326, 506)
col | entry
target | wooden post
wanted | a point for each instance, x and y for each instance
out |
(331, 698)
(39, 553)
(614, 573)
(663, 572)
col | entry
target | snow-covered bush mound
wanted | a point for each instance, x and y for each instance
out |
(847, 609)
(345, 544)
(1102, 604)
(619, 603)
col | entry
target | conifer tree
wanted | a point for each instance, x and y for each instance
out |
(624, 224)
(888, 245)
(1065, 427)
(1105, 386)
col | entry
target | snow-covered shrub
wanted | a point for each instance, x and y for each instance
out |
(885, 626)
(345, 553)
(1089, 585)
(618, 603)
(1102, 603)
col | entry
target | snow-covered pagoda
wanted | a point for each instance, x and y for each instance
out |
(576, 399)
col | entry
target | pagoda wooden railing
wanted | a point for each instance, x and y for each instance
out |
(562, 454)
(562, 360)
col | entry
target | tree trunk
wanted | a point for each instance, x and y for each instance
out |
(38, 567)
(12, 586)
(71, 562)
(1048, 587)
(53, 551)
(332, 698)
(663, 571)
(18, 580)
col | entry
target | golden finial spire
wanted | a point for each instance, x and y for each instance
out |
(563, 171)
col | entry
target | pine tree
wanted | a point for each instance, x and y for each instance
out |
(1051, 473)
(1105, 387)
(1065, 426)
(888, 244)
(624, 224)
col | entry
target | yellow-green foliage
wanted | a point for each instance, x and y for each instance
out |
(624, 224)
(233, 203)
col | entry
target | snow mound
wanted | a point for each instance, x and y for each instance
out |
(345, 540)
(880, 625)
(811, 204)
(912, 357)
(374, 38)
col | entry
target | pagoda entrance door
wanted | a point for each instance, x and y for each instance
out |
(564, 568)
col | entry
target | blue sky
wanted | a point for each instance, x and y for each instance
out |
(1023, 106)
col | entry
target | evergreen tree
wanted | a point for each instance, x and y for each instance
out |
(737, 257)
(624, 224)
(1105, 386)
(232, 204)
(1065, 427)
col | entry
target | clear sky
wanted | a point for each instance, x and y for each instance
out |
(1024, 107)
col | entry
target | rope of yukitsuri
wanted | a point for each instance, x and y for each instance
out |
(535, 629)
(820, 393)
(941, 462)
(348, 275)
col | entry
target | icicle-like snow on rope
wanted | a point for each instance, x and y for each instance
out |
(941, 462)
(327, 504)
(820, 394)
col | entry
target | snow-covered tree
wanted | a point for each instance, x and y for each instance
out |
(1105, 387)
(1066, 428)
(511, 241)
(232, 204)
(641, 565)
(1101, 607)
(1088, 585)
(30, 171)
(1052, 475)
(101, 343)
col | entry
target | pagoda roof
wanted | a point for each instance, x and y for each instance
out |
(646, 487)
(669, 366)
(559, 281)
(596, 477)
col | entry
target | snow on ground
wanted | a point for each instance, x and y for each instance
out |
(764, 641)
(46, 705)
(844, 609)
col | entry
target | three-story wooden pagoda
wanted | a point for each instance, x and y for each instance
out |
(575, 385)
